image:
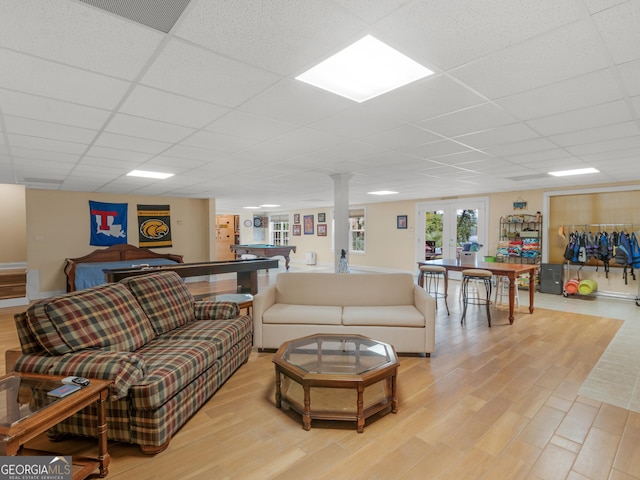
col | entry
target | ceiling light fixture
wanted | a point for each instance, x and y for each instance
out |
(577, 171)
(142, 173)
(252, 208)
(268, 205)
(364, 70)
(383, 192)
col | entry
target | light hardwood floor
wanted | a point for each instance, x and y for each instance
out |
(498, 403)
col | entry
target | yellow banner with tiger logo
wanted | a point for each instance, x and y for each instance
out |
(154, 226)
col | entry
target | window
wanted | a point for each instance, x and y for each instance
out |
(357, 230)
(280, 229)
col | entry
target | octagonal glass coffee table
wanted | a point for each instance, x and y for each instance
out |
(336, 377)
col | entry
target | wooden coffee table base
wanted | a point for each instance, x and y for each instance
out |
(336, 377)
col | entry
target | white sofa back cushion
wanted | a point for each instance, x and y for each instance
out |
(313, 288)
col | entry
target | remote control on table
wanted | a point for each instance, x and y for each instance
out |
(81, 381)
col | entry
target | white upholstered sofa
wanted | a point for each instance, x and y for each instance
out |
(389, 307)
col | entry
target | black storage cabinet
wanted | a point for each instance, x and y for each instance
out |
(551, 278)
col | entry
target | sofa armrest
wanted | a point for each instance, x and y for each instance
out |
(262, 300)
(426, 305)
(123, 368)
(204, 310)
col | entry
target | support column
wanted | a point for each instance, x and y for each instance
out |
(341, 215)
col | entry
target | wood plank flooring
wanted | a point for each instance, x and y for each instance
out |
(499, 403)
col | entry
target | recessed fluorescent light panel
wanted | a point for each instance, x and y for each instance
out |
(269, 205)
(383, 192)
(252, 208)
(578, 171)
(364, 70)
(142, 173)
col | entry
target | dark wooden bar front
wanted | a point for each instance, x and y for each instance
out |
(246, 271)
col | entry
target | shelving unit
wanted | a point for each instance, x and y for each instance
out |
(520, 241)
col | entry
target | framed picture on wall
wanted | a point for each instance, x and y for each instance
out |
(296, 230)
(401, 222)
(308, 224)
(321, 218)
(296, 218)
(322, 229)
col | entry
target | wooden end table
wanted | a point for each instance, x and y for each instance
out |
(26, 411)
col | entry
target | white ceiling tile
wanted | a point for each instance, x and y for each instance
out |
(175, 163)
(170, 108)
(451, 33)
(20, 153)
(598, 134)
(135, 144)
(117, 154)
(618, 26)
(630, 73)
(607, 145)
(74, 34)
(46, 144)
(598, 5)
(194, 153)
(516, 132)
(357, 122)
(525, 146)
(258, 128)
(197, 73)
(427, 98)
(578, 92)
(305, 140)
(55, 131)
(434, 149)
(49, 110)
(145, 128)
(401, 137)
(40, 77)
(584, 118)
(371, 10)
(295, 102)
(469, 120)
(555, 56)
(127, 164)
(533, 156)
(218, 142)
(462, 159)
(247, 32)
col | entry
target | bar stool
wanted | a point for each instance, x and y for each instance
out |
(432, 274)
(483, 276)
(502, 290)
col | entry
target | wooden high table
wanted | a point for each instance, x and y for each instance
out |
(510, 270)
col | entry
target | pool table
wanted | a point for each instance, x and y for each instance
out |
(264, 250)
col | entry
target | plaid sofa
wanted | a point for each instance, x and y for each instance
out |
(165, 353)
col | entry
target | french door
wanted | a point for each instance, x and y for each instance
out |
(444, 227)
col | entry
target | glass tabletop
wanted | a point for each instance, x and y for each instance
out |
(22, 397)
(335, 354)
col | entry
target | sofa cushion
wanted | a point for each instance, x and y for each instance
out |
(171, 366)
(177, 358)
(303, 314)
(318, 288)
(397, 316)
(164, 298)
(106, 316)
